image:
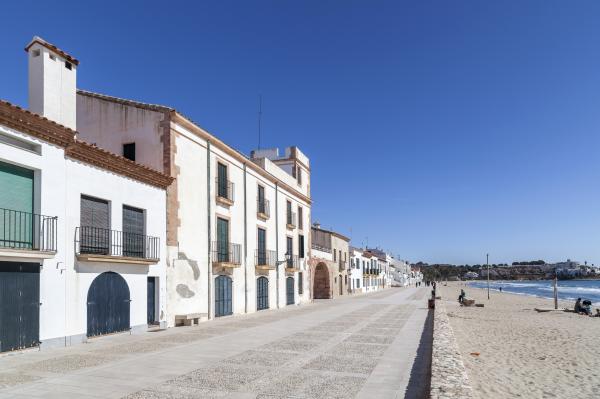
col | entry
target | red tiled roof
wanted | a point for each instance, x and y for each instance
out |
(65, 55)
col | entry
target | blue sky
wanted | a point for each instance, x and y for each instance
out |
(440, 130)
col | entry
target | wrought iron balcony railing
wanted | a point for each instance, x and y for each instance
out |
(263, 207)
(97, 241)
(291, 220)
(265, 258)
(292, 261)
(23, 230)
(225, 190)
(320, 248)
(226, 252)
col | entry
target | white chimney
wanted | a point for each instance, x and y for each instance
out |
(52, 82)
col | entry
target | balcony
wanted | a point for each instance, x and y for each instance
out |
(26, 234)
(265, 260)
(226, 255)
(320, 248)
(292, 263)
(291, 220)
(263, 209)
(95, 244)
(225, 192)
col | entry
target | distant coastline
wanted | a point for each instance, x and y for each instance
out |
(568, 290)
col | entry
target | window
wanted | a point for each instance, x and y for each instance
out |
(134, 229)
(290, 251)
(301, 246)
(299, 175)
(68, 65)
(95, 226)
(300, 224)
(222, 180)
(25, 145)
(36, 53)
(261, 200)
(52, 57)
(222, 240)
(262, 247)
(357, 283)
(129, 151)
(289, 212)
(300, 284)
(334, 255)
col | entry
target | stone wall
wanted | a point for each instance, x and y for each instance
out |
(448, 375)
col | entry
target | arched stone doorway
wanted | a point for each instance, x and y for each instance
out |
(321, 285)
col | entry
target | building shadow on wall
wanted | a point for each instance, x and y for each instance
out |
(419, 384)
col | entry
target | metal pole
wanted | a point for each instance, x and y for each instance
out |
(555, 289)
(487, 262)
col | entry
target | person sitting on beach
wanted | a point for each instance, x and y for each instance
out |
(586, 308)
(462, 296)
(578, 305)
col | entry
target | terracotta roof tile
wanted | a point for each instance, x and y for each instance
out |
(64, 54)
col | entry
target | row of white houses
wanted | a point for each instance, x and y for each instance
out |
(117, 215)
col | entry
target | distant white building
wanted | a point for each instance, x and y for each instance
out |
(357, 265)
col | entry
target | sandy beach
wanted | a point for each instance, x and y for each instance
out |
(523, 353)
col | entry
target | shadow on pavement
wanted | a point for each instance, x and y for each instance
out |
(420, 375)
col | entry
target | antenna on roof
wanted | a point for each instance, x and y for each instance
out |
(259, 117)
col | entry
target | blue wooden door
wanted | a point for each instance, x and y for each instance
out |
(108, 304)
(223, 296)
(262, 293)
(151, 300)
(19, 305)
(289, 290)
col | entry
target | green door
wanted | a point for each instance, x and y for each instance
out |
(16, 206)
(222, 240)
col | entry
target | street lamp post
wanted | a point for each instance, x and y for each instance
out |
(487, 262)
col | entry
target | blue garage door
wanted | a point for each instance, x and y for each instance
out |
(108, 305)
(19, 305)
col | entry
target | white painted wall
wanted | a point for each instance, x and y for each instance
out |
(110, 125)
(64, 282)
(190, 278)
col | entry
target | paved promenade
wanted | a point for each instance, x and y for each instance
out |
(369, 346)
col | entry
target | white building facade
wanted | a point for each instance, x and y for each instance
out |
(82, 230)
(357, 265)
(238, 228)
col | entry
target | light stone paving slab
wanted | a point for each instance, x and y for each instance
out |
(343, 348)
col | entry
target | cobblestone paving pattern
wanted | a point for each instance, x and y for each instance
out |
(328, 349)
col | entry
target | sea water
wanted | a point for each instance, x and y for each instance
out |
(568, 290)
